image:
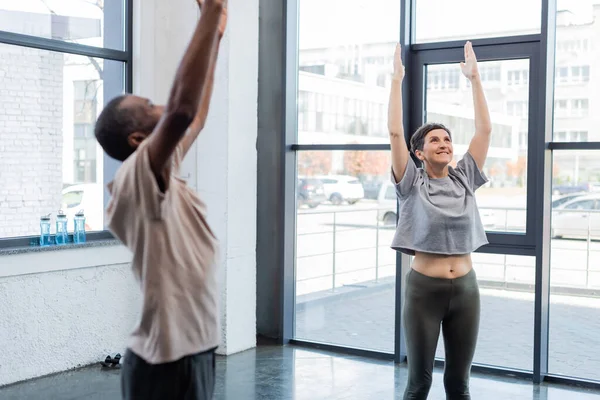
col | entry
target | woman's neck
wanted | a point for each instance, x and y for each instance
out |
(436, 172)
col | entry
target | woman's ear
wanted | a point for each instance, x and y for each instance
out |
(419, 155)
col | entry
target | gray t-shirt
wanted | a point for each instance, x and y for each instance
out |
(439, 215)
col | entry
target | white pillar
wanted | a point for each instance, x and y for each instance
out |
(222, 164)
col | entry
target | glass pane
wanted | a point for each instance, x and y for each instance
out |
(442, 20)
(575, 265)
(49, 158)
(502, 201)
(91, 22)
(345, 64)
(574, 85)
(506, 286)
(345, 268)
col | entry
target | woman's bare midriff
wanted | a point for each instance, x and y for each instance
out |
(442, 266)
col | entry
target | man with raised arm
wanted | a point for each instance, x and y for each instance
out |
(163, 222)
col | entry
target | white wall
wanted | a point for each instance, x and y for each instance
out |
(75, 313)
(63, 309)
(222, 165)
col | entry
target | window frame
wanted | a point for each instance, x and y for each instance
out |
(121, 80)
(512, 48)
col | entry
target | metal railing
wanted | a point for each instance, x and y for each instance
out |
(504, 222)
(334, 233)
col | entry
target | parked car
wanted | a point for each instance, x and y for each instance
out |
(340, 188)
(387, 208)
(386, 201)
(310, 192)
(371, 189)
(573, 219)
(567, 189)
(558, 201)
(88, 197)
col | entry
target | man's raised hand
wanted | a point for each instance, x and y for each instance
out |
(223, 21)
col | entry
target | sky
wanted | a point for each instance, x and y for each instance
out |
(327, 23)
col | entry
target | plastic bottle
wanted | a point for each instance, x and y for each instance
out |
(79, 227)
(45, 230)
(61, 228)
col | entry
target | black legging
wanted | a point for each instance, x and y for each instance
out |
(453, 304)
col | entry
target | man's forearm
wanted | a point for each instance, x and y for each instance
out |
(202, 114)
(200, 119)
(192, 74)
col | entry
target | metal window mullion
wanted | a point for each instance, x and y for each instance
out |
(543, 187)
(573, 146)
(129, 46)
(335, 147)
(117, 78)
(458, 44)
(289, 175)
(36, 42)
(407, 36)
(496, 52)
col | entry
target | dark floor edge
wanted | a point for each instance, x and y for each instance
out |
(566, 381)
(343, 350)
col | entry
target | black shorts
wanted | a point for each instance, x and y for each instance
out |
(189, 378)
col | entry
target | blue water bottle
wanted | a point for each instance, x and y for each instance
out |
(45, 230)
(61, 228)
(79, 227)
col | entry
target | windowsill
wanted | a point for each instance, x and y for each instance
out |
(28, 260)
(39, 249)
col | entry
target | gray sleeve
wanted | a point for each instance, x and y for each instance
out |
(468, 168)
(408, 181)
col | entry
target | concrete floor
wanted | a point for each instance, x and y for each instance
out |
(286, 373)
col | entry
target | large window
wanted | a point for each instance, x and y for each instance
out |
(345, 268)
(575, 261)
(50, 97)
(575, 226)
(345, 203)
(539, 275)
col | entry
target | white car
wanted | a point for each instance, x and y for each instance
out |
(340, 188)
(387, 208)
(386, 201)
(88, 197)
(577, 218)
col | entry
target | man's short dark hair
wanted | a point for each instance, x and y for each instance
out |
(417, 140)
(113, 127)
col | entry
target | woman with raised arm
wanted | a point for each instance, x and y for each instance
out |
(439, 224)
